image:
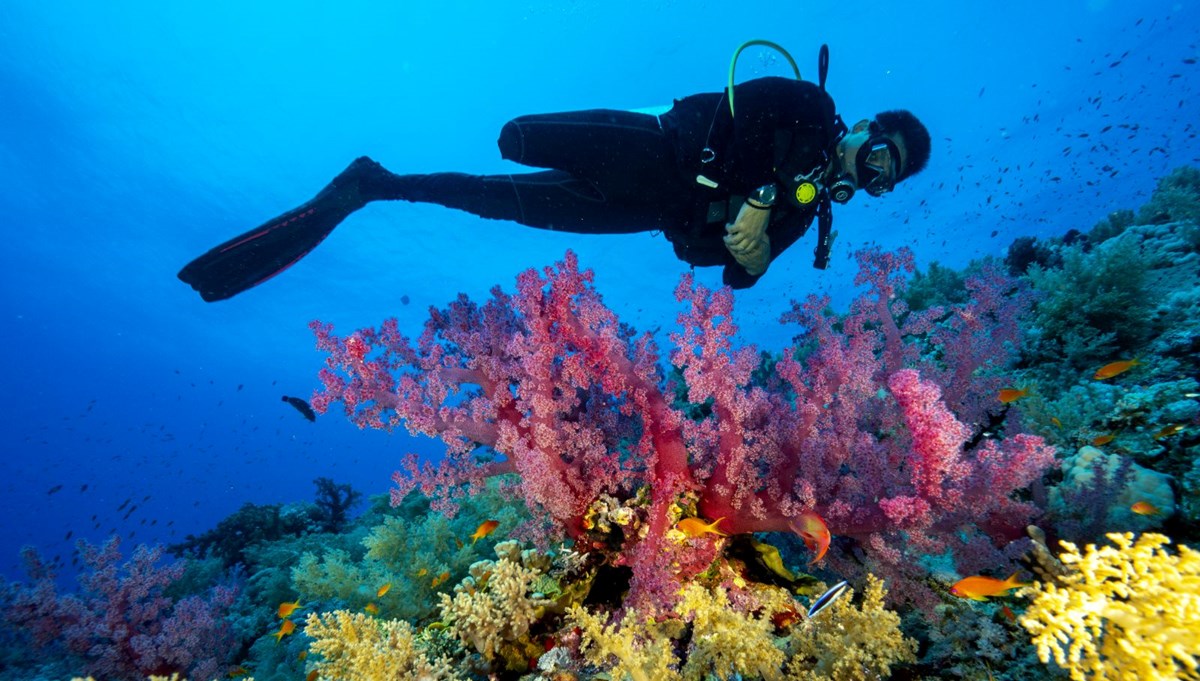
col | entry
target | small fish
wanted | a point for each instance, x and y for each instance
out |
(312, 676)
(1101, 440)
(383, 590)
(440, 579)
(238, 671)
(485, 528)
(302, 407)
(303, 654)
(1144, 508)
(422, 572)
(286, 609)
(1168, 431)
(696, 527)
(814, 532)
(1007, 613)
(1056, 422)
(1010, 395)
(826, 599)
(1115, 369)
(54, 490)
(979, 588)
(288, 627)
(371, 609)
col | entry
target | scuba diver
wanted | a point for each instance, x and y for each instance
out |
(732, 179)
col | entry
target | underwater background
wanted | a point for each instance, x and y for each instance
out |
(136, 135)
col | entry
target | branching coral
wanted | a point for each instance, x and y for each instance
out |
(846, 642)
(493, 609)
(1126, 611)
(355, 646)
(638, 648)
(726, 642)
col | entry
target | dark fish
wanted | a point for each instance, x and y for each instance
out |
(54, 489)
(83, 487)
(826, 599)
(302, 407)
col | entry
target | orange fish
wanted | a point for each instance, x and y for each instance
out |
(485, 528)
(1008, 395)
(372, 609)
(238, 671)
(288, 627)
(383, 590)
(312, 676)
(437, 581)
(812, 530)
(1145, 508)
(1115, 369)
(1055, 421)
(1008, 614)
(1168, 431)
(286, 609)
(422, 572)
(979, 588)
(696, 527)
(303, 654)
(1102, 440)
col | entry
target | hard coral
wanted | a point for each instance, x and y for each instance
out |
(1131, 610)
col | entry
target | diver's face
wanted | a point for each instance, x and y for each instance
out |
(872, 159)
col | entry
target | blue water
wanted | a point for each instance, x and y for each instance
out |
(136, 135)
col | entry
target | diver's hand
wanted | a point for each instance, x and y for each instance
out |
(748, 241)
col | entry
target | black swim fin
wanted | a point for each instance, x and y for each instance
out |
(249, 259)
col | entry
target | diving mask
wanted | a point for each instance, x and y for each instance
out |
(877, 164)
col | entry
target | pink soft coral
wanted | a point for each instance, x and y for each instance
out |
(852, 423)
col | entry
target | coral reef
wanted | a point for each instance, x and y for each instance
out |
(1130, 610)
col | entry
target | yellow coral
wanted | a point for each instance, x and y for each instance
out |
(637, 649)
(727, 642)
(497, 615)
(355, 646)
(845, 642)
(1125, 611)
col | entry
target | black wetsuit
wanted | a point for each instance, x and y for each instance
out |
(621, 172)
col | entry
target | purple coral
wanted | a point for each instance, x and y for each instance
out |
(121, 624)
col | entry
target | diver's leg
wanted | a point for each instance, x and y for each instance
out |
(621, 151)
(551, 199)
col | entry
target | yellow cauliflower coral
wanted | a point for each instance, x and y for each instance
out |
(844, 643)
(1126, 611)
(493, 609)
(726, 642)
(355, 646)
(638, 649)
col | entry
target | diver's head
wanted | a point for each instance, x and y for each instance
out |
(877, 154)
